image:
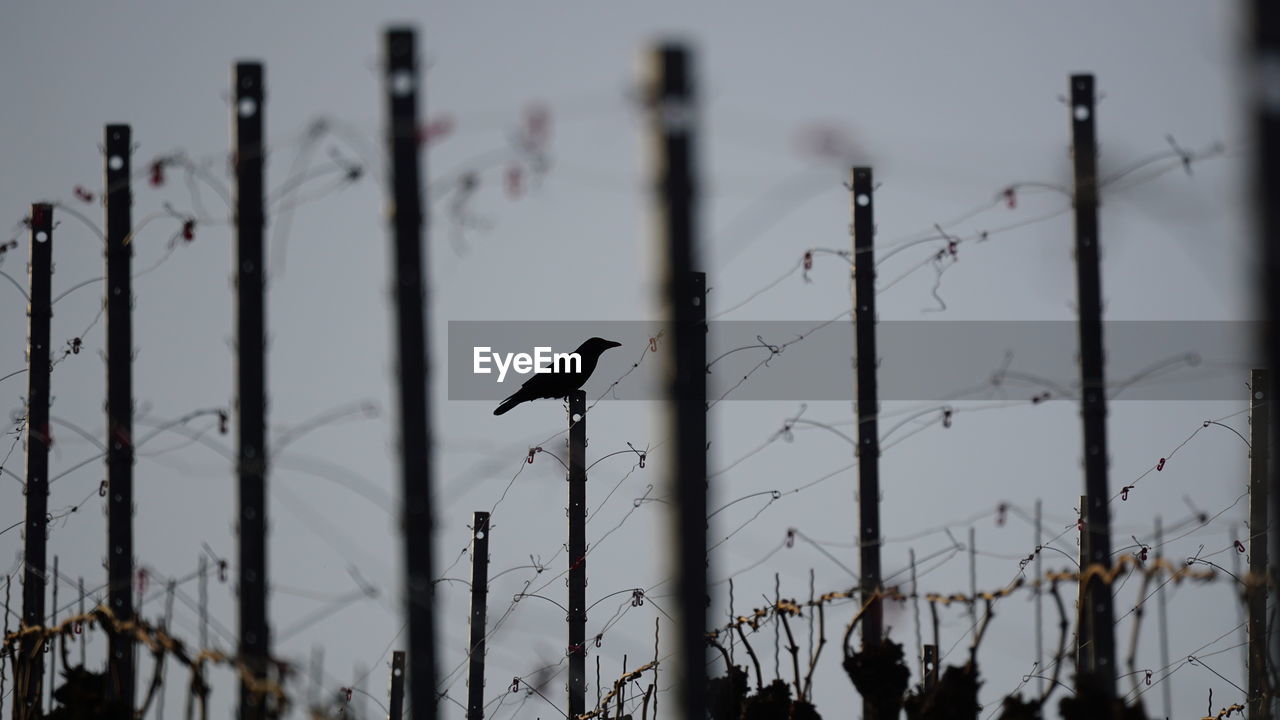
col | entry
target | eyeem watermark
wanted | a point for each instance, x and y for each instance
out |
(935, 361)
(543, 360)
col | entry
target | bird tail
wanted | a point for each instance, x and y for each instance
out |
(509, 403)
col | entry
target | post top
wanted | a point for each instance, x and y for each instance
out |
(400, 42)
(248, 75)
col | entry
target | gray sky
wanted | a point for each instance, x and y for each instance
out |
(950, 103)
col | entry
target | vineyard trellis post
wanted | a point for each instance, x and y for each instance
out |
(973, 584)
(396, 705)
(1039, 590)
(203, 600)
(1265, 172)
(1166, 689)
(479, 602)
(674, 114)
(84, 636)
(868, 450)
(121, 653)
(53, 621)
(1082, 616)
(1099, 646)
(577, 512)
(1256, 587)
(27, 700)
(929, 661)
(408, 260)
(251, 385)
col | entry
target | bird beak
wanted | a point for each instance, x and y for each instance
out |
(612, 344)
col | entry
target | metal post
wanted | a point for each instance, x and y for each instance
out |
(1083, 644)
(1166, 689)
(868, 452)
(397, 686)
(401, 66)
(930, 670)
(53, 622)
(30, 665)
(973, 585)
(479, 601)
(83, 635)
(1256, 587)
(1265, 86)
(1092, 382)
(203, 600)
(577, 512)
(1039, 604)
(121, 660)
(251, 380)
(673, 129)
(203, 612)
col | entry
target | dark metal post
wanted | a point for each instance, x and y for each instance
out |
(1265, 176)
(30, 665)
(53, 622)
(401, 65)
(673, 126)
(1083, 636)
(203, 602)
(1098, 601)
(1162, 616)
(397, 686)
(251, 380)
(83, 635)
(868, 452)
(930, 669)
(121, 661)
(973, 585)
(577, 512)
(479, 602)
(1040, 602)
(1256, 587)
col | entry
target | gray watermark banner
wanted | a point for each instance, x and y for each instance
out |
(918, 360)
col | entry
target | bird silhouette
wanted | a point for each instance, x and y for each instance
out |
(560, 384)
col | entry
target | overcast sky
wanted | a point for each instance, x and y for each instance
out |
(950, 103)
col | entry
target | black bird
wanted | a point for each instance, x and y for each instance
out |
(560, 384)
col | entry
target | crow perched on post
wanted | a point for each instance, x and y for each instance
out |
(560, 384)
